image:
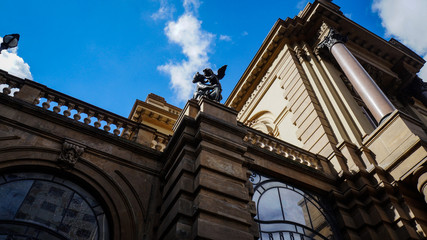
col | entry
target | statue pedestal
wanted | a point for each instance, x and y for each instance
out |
(205, 177)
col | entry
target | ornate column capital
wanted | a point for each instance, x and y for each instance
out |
(332, 38)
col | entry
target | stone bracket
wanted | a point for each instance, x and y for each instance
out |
(70, 154)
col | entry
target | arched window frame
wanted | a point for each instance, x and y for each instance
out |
(300, 231)
(75, 188)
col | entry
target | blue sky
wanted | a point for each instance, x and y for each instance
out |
(110, 53)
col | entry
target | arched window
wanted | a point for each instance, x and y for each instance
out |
(44, 206)
(288, 213)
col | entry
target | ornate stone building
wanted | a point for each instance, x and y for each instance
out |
(323, 137)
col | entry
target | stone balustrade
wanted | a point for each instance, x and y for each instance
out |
(9, 85)
(72, 108)
(284, 149)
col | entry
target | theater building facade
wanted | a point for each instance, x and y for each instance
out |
(323, 137)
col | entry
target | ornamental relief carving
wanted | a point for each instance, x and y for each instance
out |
(302, 54)
(264, 121)
(70, 154)
(323, 31)
(331, 39)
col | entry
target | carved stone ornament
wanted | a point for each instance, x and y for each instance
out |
(302, 55)
(70, 154)
(332, 38)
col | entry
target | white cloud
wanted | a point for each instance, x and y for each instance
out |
(405, 20)
(224, 38)
(195, 43)
(165, 11)
(191, 6)
(13, 64)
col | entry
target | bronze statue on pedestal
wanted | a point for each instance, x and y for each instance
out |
(208, 84)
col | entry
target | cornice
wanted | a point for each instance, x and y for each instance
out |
(282, 31)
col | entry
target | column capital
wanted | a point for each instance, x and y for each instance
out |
(332, 38)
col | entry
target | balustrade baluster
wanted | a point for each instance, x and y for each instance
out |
(3, 80)
(275, 146)
(57, 108)
(117, 130)
(77, 116)
(246, 138)
(287, 152)
(266, 143)
(126, 132)
(37, 100)
(97, 124)
(107, 126)
(12, 85)
(90, 114)
(6, 89)
(292, 154)
(49, 98)
(67, 112)
(258, 141)
(303, 160)
(298, 157)
(159, 146)
(153, 144)
(282, 151)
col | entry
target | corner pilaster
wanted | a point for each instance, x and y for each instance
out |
(205, 194)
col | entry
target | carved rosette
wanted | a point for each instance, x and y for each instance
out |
(70, 154)
(332, 38)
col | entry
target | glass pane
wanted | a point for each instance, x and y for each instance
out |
(267, 206)
(276, 227)
(12, 195)
(320, 223)
(49, 208)
(293, 205)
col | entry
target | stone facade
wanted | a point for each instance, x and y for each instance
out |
(319, 163)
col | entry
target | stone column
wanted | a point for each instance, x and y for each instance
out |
(376, 101)
(420, 174)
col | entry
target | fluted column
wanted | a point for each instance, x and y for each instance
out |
(376, 101)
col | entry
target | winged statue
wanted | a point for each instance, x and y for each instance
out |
(208, 84)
